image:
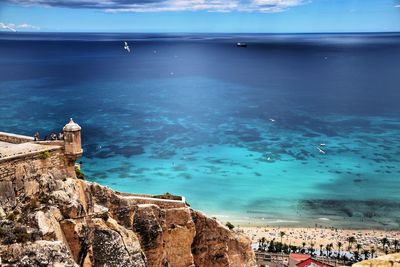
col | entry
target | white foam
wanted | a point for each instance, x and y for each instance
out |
(282, 221)
(220, 216)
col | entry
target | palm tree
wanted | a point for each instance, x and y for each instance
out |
(372, 252)
(312, 244)
(356, 255)
(351, 240)
(358, 246)
(262, 242)
(366, 254)
(271, 245)
(395, 244)
(339, 244)
(384, 242)
(281, 234)
(328, 249)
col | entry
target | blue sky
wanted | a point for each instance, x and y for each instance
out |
(265, 16)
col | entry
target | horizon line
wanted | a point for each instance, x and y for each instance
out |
(155, 32)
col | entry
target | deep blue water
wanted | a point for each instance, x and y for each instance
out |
(235, 130)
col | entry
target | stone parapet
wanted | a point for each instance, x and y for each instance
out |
(22, 155)
(15, 138)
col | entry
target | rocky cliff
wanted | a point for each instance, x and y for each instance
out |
(48, 217)
(391, 260)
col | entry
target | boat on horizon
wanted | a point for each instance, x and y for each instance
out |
(241, 44)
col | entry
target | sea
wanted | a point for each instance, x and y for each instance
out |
(292, 130)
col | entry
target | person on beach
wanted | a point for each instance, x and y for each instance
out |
(36, 137)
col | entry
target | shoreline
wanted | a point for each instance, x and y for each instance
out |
(296, 222)
(302, 225)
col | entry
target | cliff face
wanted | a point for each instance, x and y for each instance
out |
(48, 217)
(390, 260)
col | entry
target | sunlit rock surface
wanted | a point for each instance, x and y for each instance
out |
(391, 260)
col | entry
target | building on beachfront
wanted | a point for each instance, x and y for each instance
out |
(304, 260)
(295, 258)
(312, 263)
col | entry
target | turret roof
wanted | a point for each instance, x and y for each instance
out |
(71, 127)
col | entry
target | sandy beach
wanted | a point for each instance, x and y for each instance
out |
(320, 236)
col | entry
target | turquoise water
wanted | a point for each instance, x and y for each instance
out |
(236, 131)
(256, 170)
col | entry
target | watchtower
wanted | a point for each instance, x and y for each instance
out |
(72, 140)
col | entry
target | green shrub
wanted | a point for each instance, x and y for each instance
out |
(103, 215)
(44, 198)
(79, 173)
(7, 237)
(168, 196)
(10, 234)
(229, 225)
(11, 216)
(21, 235)
(2, 231)
(44, 155)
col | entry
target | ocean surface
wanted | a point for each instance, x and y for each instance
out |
(237, 131)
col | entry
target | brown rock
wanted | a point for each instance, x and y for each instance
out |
(215, 245)
(77, 237)
(179, 231)
(49, 226)
(146, 224)
(7, 194)
(31, 187)
(109, 248)
(39, 253)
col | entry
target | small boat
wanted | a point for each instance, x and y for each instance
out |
(241, 44)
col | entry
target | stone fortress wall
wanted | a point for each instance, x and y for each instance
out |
(14, 170)
(14, 138)
(48, 157)
(21, 159)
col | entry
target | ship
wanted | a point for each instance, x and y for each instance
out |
(241, 44)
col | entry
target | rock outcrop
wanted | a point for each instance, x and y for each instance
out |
(48, 217)
(214, 245)
(390, 260)
(38, 253)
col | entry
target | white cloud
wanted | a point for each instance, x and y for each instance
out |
(27, 26)
(274, 5)
(170, 5)
(7, 27)
(13, 27)
(181, 5)
(397, 6)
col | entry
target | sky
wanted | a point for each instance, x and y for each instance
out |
(193, 16)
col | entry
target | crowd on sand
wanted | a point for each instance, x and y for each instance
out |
(343, 246)
(368, 239)
(380, 241)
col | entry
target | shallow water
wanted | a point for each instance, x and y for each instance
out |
(235, 130)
